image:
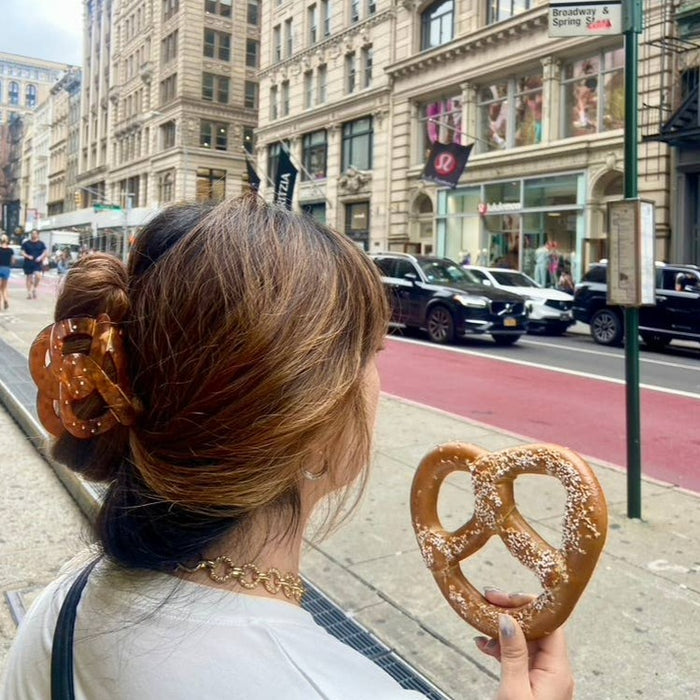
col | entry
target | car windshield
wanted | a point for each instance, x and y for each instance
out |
(445, 271)
(511, 278)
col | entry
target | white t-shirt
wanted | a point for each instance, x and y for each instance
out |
(148, 636)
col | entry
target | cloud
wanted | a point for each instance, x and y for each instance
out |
(48, 29)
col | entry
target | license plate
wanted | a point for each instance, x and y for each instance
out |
(510, 322)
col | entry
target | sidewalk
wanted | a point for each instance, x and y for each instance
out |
(633, 635)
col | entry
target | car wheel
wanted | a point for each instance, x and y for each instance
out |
(606, 327)
(440, 325)
(501, 339)
(655, 341)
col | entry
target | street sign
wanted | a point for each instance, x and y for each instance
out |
(107, 207)
(585, 18)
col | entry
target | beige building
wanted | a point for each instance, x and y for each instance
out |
(358, 91)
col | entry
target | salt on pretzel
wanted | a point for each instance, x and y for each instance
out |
(563, 573)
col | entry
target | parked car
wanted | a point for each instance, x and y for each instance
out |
(549, 310)
(438, 296)
(676, 314)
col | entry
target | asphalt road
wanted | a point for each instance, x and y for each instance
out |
(565, 390)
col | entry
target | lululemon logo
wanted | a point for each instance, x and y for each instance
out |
(445, 164)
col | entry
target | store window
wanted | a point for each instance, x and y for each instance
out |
(593, 94)
(211, 185)
(314, 152)
(439, 121)
(357, 223)
(357, 144)
(316, 210)
(499, 10)
(510, 113)
(213, 135)
(437, 24)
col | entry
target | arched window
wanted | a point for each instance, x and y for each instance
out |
(13, 93)
(437, 24)
(30, 96)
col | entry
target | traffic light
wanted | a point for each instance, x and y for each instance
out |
(77, 196)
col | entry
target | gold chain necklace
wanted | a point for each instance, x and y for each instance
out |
(248, 576)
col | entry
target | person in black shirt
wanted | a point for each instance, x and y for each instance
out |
(33, 251)
(5, 265)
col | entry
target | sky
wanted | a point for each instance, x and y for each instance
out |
(48, 29)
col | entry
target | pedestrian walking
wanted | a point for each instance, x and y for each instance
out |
(34, 252)
(6, 253)
(224, 402)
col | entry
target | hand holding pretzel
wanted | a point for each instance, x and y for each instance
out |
(563, 572)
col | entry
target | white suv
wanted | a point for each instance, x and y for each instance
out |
(549, 310)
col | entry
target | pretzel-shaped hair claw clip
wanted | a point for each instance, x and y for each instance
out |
(66, 379)
(563, 573)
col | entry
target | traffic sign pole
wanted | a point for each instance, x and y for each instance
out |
(632, 14)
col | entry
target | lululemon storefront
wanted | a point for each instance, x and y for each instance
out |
(531, 224)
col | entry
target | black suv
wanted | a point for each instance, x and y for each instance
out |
(676, 314)
(439, 296)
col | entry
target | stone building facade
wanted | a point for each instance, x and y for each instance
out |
(545, 117)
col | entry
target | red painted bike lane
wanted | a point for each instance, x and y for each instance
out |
(585, 414)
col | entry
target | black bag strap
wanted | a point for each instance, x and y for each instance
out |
(62, 682)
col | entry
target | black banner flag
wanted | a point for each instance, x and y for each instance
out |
(253, 179)
(446, 162)
(285, 180)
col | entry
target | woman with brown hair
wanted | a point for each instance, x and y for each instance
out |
(223, 386)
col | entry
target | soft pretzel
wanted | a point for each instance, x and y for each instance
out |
(563, 573)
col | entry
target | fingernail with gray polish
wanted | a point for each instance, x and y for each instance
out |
(507, 626)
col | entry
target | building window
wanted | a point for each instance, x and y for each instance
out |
(274, 106)
(211, 185)
(249, 139)
(288, 38)
(167, 134)
(314, 155)
(218, 7)
(168, 88)
(253, 16)
(437, 24)
(284, 98)
(166, 187)
(170, 7)
(321, 82)
(371, 7)
(357, 222)
(439, 121)
(252, 53)
(215, 88)
(350, 72)
(308, 89)
(355, 10)
(30, 96)
(277, 43)
(510, 113)
(13, 93)
(217, 45)
(357, 144)
(326, 17)
(250, 96)
(168, 48)
(593, 96)
(367, 67)
(498, 10)
(213, 135)
(312, 20)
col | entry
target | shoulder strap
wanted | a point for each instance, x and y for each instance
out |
(62, 685)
